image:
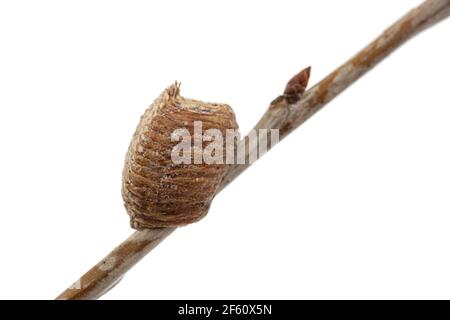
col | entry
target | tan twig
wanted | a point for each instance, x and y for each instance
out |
(285, 113)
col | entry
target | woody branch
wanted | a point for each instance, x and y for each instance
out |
(285, 113)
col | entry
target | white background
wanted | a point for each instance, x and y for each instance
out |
(354, 204)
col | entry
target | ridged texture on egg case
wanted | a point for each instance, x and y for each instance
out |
(157, 192)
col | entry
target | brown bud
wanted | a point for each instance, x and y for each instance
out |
(157, 191)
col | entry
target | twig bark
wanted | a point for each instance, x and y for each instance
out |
(292, 116)
(285, 113)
